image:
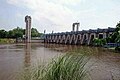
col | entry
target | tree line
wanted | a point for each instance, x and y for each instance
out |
(18, 33)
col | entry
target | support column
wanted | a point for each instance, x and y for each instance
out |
(75, 25)
(78, 26)
(104, 35)
(28, 29)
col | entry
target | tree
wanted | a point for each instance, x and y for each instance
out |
(10, 34)
(35, 33)
(115, 37)
(18, 32)
(117, 40)
(3, 33)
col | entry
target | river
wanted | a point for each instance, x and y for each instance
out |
(103, 64)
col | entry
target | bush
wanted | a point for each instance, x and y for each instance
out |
(67, 67)
(99, 42)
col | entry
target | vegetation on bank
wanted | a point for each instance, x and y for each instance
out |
(66, 67)
(18, 33)
(99, 42)
(114, 38)
(2, 41)
(11, 35)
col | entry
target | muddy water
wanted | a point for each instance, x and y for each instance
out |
(103, 64)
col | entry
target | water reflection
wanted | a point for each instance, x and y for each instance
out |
(27, 54)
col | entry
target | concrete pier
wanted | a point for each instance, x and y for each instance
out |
(28, 29)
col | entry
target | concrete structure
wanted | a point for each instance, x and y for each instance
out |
(78, 37)
(28, 29)
(75, 25)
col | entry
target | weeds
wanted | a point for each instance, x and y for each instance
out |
(65, 67)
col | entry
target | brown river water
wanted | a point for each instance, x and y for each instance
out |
(103, 64)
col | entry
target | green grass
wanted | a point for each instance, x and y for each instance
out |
(5, 41)
(65, 67)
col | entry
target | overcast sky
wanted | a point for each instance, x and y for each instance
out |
(58, 15)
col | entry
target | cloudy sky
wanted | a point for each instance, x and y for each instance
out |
(58, 15)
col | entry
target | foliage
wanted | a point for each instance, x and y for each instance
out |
(18, 33)
(99, 42)
(3, 33)
(35, 33)
(115, 37)
(117, 40)
(2, 41)
(67, 67)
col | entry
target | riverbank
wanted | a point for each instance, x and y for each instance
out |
(7, 41)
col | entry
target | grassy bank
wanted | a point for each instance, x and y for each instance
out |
(6, 41)
(67, 67)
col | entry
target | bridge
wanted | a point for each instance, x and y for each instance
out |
(78, 37)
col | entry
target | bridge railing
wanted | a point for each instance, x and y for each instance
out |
(112, 45)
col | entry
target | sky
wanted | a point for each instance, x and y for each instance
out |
(59, 15)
